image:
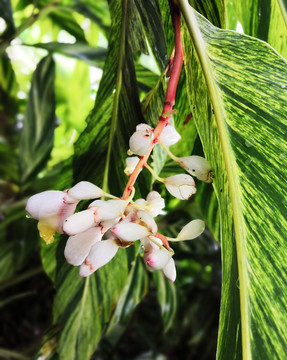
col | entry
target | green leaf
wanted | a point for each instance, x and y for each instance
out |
(7, 15)
(82, 51)
(266, 20)
(39, 122)
(244, 141)
(135, 289)
(83, 306)
(66, 21)
(166, 295)
(117, 111)
(151, 17)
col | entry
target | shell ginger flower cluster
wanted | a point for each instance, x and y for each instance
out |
(95, 234)
(110, 223)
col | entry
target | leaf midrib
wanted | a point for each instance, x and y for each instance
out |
(229, 160)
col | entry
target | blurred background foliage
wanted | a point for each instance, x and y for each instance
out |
(58, 67)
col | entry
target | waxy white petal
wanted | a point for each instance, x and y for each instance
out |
(197, 166)
(130, 231)
(181, 186)
(148, 220)
(78, 246)
(85, 190)
(141, 139)
(108, 210)
(144, 127)
(157, 259)
(169, 270)
(191, 230)
(45, 204)
(131, 163)
(79, 222)
(169, 136)
(101, 253)
(155, 203)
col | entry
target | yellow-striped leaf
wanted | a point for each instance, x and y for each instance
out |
(238, 86)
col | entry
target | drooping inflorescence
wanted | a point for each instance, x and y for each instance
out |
(95, 234)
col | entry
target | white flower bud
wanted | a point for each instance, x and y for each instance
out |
(157, 259)
(181, 186)
(155, 203)
(169, 136)
(101, 253)
(107, 210)
(85, 190)
(45, 204)
(191, 230)
(141, 139)
(148, 220)
(78, 246)
(169, 270)
(144, 127)
(197, 166)
(130, 231)
(131, 163)
(79, 222)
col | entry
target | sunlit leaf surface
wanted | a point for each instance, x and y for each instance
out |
(244, 140)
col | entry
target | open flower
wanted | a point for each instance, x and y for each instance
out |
(51, 209)
(169, 136)
(181, 186)
(197, 166)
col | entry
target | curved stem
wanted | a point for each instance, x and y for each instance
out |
(169, 153)
(169, 97)
(154, 174)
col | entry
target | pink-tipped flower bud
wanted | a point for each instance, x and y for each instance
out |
(128, 231)
(141, 139)
(157, 259)
(101, 253)
(191, 230)
(181, 186)
(131, 163)
(84, 190)
(169, 136)
(169, 270)
(197, 166)
(78, 246)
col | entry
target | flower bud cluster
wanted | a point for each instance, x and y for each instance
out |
(96, 234)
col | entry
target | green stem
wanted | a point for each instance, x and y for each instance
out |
(154, 174)
(169, 153)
